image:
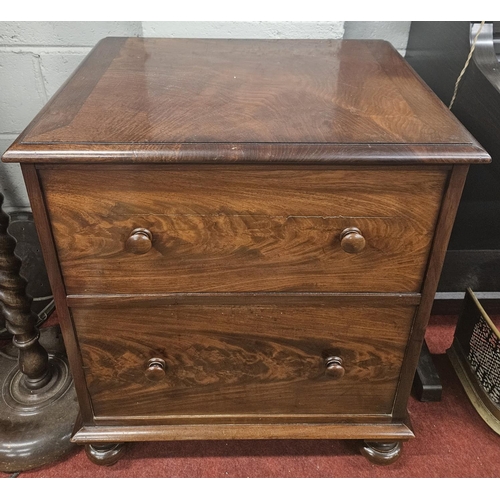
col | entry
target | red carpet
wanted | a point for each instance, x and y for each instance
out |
(452, 441)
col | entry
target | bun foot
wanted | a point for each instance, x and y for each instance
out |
(381, 453)
(105, 454)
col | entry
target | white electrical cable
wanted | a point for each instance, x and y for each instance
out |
(466, 64)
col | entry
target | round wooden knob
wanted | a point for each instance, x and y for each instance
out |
(334, 368)
(351, 240)
(156, 369)
(140, 241)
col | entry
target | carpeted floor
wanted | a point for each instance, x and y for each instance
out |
(451, 441)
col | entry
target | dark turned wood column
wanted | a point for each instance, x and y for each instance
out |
(39, 406)
(16, 309)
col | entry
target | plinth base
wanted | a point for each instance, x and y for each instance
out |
(35, 426)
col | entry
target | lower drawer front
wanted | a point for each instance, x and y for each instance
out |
(241, 361)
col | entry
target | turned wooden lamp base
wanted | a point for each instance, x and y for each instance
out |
(38, 405)
(38, 423)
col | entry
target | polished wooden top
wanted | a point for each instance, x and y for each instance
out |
(211, 100)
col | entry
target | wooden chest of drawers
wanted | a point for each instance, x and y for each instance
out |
(244, 237)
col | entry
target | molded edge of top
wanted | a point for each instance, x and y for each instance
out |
(267, 153)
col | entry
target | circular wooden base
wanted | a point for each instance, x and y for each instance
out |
(40, 422)
(105, 454)
(381, 453)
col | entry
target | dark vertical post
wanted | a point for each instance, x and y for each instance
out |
(16, 309)
(39, 403)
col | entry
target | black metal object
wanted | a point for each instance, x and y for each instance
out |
(438, 51)
(427, 384)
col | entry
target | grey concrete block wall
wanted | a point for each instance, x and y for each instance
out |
(11, 180)
(254, 29)
(37, 57)
(64, 33)
(396, 32)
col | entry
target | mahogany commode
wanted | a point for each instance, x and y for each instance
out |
(244, 237)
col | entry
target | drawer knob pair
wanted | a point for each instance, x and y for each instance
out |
(140, 241)
(334, 367)
(351, 240)
(156, 369)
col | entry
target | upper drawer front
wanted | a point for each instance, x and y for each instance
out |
(237, 231)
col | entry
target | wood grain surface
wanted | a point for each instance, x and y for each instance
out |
(237, 360)
(443, 230)
(228, 100)
(318, 299)
(223, 231)
(147, 432)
